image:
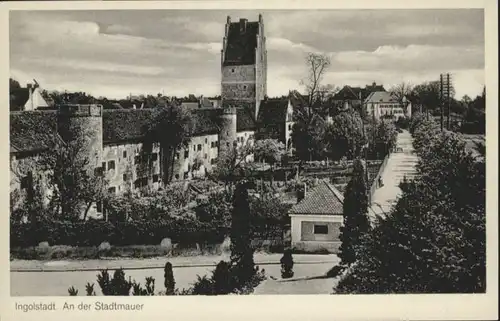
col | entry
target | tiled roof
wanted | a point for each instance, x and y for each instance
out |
(32, 131)
(241, 47)
(273, 111)
(297, 100)
(126, 124)
(381, 96)
(206, 121)
(190, 104)
(324, 199)
(244, 120)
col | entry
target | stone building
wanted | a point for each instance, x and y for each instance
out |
(114, 138)
(381, 104)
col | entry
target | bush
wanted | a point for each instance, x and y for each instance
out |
(93, 233)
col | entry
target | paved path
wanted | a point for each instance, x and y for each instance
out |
(26, 282)
(399, 165)
(157, 263)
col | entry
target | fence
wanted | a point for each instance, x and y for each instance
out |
(374, 185)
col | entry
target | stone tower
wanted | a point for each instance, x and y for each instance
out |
(244, 64)
(227, 135)
(82, 125)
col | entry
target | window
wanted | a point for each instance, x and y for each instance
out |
(111, 165)
(244, 86)
(154, 157)
(205, 156)
(212, 144)
(177, 155)
(103, 166)
(124, 177)
(112, 190)
(232, 70)
(137, 159)
(213, 160)
(124, 154)
(98, 171)
(289, 127)
(99, 206)
(206, 140)
(176, 176)
(186, 153)
(199, 147)
(155, 178)
(194, 148)
(320, 229)
(227, 144)
(186, 175)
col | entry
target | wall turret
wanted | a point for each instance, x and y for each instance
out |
(81, 125)
(227, 135)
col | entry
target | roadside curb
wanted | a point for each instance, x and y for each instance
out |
(150, 267)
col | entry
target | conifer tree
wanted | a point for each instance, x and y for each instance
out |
(169, 279)
(355, 208)
(243, 266)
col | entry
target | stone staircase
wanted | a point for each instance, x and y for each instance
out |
(401, 163)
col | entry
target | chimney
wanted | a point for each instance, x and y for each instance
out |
(374, 84)
(260, 18)
(228, 19)
(301, 191)
(243, 25)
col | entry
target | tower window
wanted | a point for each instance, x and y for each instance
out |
(111, 165)
(186, 153)
(199, 147)
(124, 154)
(232, 70)
(124, 177)
(155, 178)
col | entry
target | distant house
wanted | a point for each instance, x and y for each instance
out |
(29, 98)
(381, 104)
(317, 218)
(353, 97)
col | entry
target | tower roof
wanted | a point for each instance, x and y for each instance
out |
(241, 43)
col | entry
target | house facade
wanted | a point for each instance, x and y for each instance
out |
(353, 97)
(316, 219)
(381, 104)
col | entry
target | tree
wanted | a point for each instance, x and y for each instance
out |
(216, 209)
(434, 240)
(382, 138)
(355, 209)
(13, 84)
(269, 150)
(317, 65)
(428, 95)
(231, 165)
(76, 186)
(169, 279)
(171, 129)
(308, 137)
(401, 90)
(344, 136)
(243, 267)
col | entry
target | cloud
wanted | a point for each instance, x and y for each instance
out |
(178, 50)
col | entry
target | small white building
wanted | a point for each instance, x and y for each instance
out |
(317, 218)
(383, 104)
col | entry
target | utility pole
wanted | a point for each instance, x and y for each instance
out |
(441, 100)
(448, 92)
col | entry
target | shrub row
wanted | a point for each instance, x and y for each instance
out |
(93, 233)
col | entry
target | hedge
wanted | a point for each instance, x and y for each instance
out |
(93, 233)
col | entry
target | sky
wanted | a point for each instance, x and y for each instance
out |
(115, 53)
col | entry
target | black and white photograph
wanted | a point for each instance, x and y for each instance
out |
(162, 152)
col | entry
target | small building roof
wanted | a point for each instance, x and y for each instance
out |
(323, 199)
(381, 97)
